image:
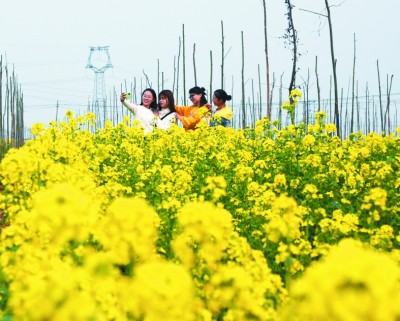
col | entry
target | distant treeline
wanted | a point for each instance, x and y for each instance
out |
(364, 112)
(11, 110)
(352, 109)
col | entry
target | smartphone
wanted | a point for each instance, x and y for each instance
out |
(127, 95)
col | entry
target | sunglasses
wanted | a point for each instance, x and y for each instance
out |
(191, 95)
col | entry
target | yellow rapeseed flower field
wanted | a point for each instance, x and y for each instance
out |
(212, 224)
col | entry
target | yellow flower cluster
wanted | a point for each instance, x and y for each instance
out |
(363, 284)
(203, 112)
(200, 225)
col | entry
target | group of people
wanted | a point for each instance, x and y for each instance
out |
(164, 113)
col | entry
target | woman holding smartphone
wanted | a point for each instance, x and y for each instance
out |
(143, 112)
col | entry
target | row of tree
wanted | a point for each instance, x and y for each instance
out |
(11, 110)
(349, 111)
(359, 110)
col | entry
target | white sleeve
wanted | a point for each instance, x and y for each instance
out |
(132, 107)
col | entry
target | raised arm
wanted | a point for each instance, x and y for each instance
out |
(130, 106)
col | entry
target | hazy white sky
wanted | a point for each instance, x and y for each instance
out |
(48, 43)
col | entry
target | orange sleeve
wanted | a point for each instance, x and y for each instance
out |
(189, 117)
(190, 122)
(180, 110)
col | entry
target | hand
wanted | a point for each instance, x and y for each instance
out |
(177, 116)
(156, 113)
(122, 97)
(209, 107)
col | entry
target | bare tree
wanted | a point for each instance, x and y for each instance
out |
(243, 95)
(158, 75)
(380, 97)
(148, 83)
(194, 64)
(306, 90)
(280, 101)
(253, 105)
(11, 112)
(211, 73)
(57, 106)
(173, 82)
(184, 64)
(318, 88)
(291, 37)
(337, 116)
(259, 93)
(352, 97)
(222, 54)
(1, 106)
(266, 60)
(177, 70)
(388, 90)
(272, 90)
(367, 121)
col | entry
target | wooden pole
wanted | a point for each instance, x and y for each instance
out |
(334, 62)
(184, 64)
(267, 60)
(211, 75)
(318, 88)
(194, 64)
(222, 54)
(380, 98)
(353, 94)
(243, 94)
(177, 70)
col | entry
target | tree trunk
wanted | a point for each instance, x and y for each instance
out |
(243, 95)
(259, 93)
(292, 35)
(211, 75)
(389, 89)
(318, 88)
(267, 61)
(337, 116)
(177, 71)
(222, 54)
(194, 64)
(380, 98)
(353, 94)
(184, 64)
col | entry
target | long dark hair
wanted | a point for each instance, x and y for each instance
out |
(153, 105)
(221, 94)
(201, 91)
(170, 96)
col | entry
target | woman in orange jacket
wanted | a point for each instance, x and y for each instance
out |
(189, 115)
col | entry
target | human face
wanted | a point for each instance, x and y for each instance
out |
(147, 99)
(195, 98)
(163, 101)
(217, 102)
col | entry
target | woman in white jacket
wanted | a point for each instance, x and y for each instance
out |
(144, 112)
(166, 112)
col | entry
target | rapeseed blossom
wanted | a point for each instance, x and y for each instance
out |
(91, 218)
(350, 293)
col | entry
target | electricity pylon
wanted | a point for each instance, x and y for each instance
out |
(99, 61)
